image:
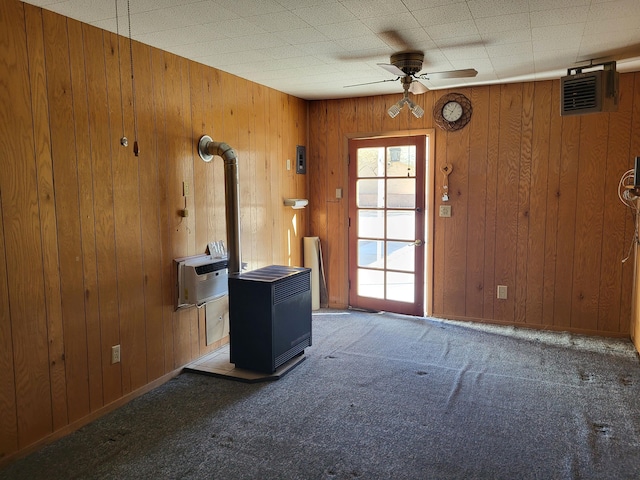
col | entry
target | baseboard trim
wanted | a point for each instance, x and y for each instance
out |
(81, 422)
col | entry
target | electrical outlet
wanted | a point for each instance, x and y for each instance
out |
(185, 189)
(445, 210)
(502, 292)
(288, 164)
(115, 354)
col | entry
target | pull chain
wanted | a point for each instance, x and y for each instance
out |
(136, 150)
(123, 141)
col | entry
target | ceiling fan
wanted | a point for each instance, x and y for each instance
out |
(407, 65)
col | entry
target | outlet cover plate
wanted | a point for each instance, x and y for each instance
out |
(115, 354)
(502, 292)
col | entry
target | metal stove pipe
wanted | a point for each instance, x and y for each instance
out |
(207, 148)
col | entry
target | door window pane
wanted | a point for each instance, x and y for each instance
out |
(401, 193)
(400, 286)
(401, 161)
(370, 193)
(371, 283)
(401, 256)
(371, 253)
(371, 223)
(401, 225)
(371, 162)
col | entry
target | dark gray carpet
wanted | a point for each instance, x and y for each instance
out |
(381, 396)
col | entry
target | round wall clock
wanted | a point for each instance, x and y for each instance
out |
(452, 111)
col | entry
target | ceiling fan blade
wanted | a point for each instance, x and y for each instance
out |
(371, 83)
(417, 88)
(394, 39)
(392, 69)
(362, 57)
(469, 72)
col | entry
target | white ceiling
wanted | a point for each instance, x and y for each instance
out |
(313, 48)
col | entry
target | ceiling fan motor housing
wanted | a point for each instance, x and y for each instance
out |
(409, 62)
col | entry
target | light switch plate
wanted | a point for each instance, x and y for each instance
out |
(445, 210)
(301, 159)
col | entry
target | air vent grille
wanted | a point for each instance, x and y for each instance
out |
(580, 93)
(291, 287)
(292, 352)
(589, 92)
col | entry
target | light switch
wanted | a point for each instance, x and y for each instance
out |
(301, 159)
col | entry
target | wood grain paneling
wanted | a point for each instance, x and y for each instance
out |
(454, 279)
(589, 228)
(533, 198)
(614, 246)
(263, 188)
(553, 201)
(46, 202)
(524, 206)
(86, 213)
(102, 190)
(8, 413)
(534, 281)
(165, 214)
(8, 408)
(439, 231)
(179, 226)
(333, 264)
(490, 252)
(317, 169)
(566, 220)
(150, 207)
(631, 225)
(509, 149)
(65, 173)
(99, 226)
(476, 204)
(22, 237)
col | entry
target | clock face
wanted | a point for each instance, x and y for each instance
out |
(452, 111)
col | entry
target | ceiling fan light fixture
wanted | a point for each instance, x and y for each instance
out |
(416, 109)
(394, 110)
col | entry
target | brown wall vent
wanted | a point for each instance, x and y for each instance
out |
(589, 92)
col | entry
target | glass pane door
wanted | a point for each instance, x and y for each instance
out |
(387, 224)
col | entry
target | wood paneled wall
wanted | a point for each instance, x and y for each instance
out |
(89, 231)
(534, 200)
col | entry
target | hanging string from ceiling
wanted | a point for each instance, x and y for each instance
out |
(123, 140)
(136, 150)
